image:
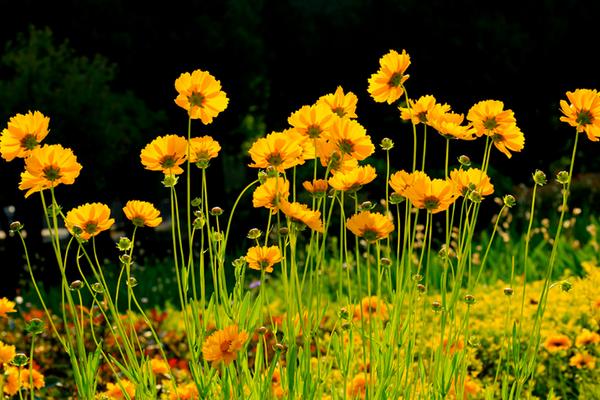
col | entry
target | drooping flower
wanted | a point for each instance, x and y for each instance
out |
(582, 360)
(6, 306)
(7, 353)
(298, 212)
(350, 138)
(277, 150)
(166, 154)
(201, 95)
(224, 345)
(263, 257)
(88, 220)
(271, 194)
(449, 124)
(417, 111)
(473, 179)
(23, 134)
(387, 84)
(49, 166)
(142, 213)
(344, 105)
(401, 180)
(583, 112)
(203, 149)
(370, 226)
(312, 121)
(434, 195)
(556, 343)
(354, 179)
(116, 391)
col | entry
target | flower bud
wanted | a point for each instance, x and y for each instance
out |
(421, 288)
(396, 198)
(125, 259)
(76, 285)
(272, 172)
(239, 262)
(465, 161)
(509, 200)
(343, 313)
(417, 277)
(254, 234)
(196, 202)
(366, 206)
(262, 177)
(170, 180)
(35, 326)
(475, 196)
(15, 226)
(562, 177)
(566, 286)
(20, 360)
(262, 330)
(124, 244)
(216, 211)
(539, 177)
(386, 262)
(386, 144)
(508, 291)
(198, 223)
(132, 282)
(279, 347)
(97, 287)
(283, 231)
(436, 306)
(469, 299)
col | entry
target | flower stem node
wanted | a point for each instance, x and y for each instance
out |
(76, 285)
(539, 177)
(15, 226)
(35, 326)
(464, 160)
(386, 144)
(170, 180)
(20, 360)
(216, 211)
(469, 299)
(562, 177)
(509, 200)
(508, 291)
(124, 244)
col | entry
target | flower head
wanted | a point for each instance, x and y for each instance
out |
(88, 220)
(350, 138)
(317, 187)
(116, 391)
(371, 307)
(142, 213)
(277, 150)
(6, 306)
(401, 180)
(449, 124)
(298, 212)
(344, 105)
(48, 166)
(7, 353)
(370, 226)
(434, 195)
(582, 360)
(489, 117)
(387, 84)
(203, 149)
(224, 345)
(201, 95)
(586, 338)
(583, 112)
(556, 343)
(418, 111)
(271, 194)
(354, 179)
(473, 179)
(17, 378)
(23, 134)
(312, 121)
(357, 389)
(166, 154)
(263, 257)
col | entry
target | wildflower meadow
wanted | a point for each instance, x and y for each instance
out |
(365, 279)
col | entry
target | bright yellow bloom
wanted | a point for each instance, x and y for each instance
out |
(166, 154)
(142, 213)
(583, 112)
(23, 134)
(116, 391)
(159, 366)
(371, 307)
(556, 343)
(263, 257)
(331, 157)
(7, 353)
(449, 124)
(203, 149)
(350, 138)
(298, 212)
(15, 379)
(317, 187)
(48, 166)
(434, 195)
(418, 111)
(6, 306)
(277, 150)
(201, 95)
(387, 84)
(471, 180)
(510, 139)
(224, 345)
(489, 117)
(88, 220)
(586, 338)
(370, 226)
(344, 105)
(354, 179)
(358, 386)
(582, 360)
(312, 121)
(401, 180)
(187, 391)
(37, 377)
(271, 194)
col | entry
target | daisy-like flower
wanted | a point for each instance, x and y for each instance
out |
(582, 360)
(510, 139)
(263, 257)
(36, 376)
(17, 378)
(159, 366)
(354, 179)
(271, 194)
(203, 149)
(401, 180)
(48, 166)
(187, 391)
(417, 111)
(470, 180)
(371, 307)
(23, 134)
(434, 195)
(489, 117)
(317, 187)
(116, 391)
(6, 306)
(344, 105)
(224, 345)
(370, 226)
(201, 95)
(583, 112)
(586, 338)
(7, 353)
(166, 154)
(331, 157)
(300, 213)
(142, 213)
(312, 121)
(449, 124)
(88, 220)
(357, 389)
(350, 138)
(556, 343)
(277, 150)
(387, 84)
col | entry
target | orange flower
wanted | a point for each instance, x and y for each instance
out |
(263, 257)
(301, 213)
(117, 391)
(201, 95)
(401, 180)
(418, 111)
(433, 195)
(371, 307)
(142, 213)
(449, 125)
(48, 166)
(277, 150)
(6, 306)
(387, 84)
(203, 149)
(586, 338)
(511, 139)
(187, 391)
(224, 345)
(556, 343)
(351, 138)
(317, 187)
(370, 226)
(354, 179)
(489, 117)
(88, 220)
(16, 378)
(471, 180)
(37, 378)
(23, 134)
(271, 194)
(166, 154)
(583, 112)
(358, 386)
(312, 121)
(582, 360)
(344, 105)
(7, 353)
(331, 157)
(159, 366)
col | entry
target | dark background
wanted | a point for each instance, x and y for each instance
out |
(104, 72)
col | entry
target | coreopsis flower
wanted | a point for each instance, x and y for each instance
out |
(271, 194)
(556, 343)
(263, 257)
(142, 213)
(16, 378)
(49, 166)
(586, 338)
(6, 306)
(344, 105)
(583, 112)
(357, 389)
(473, 179)
(489, 117)
(350, 138)
(318, 187)
(449, 124)
(23, 134)
(201, 95)
(224, 345)
(166, 154)
(511, 139)
(159, 366)
(88, 220)
(277, 150)
(203, 149)
(300, 213)
(332, 158)
(354, 179)
(434, 195)
(37, 377)
(387, 84)
(417, 110)
(371, 307)
(370, 226)
(312, 121)
(7, 353)
(582, 360)
(401, 180)
(116, 391)
(187, 391)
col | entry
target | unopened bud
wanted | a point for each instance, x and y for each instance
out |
(283, 231)
(239, 262)
(469, 299)
(475, 196)
(15, 226)
(196, 202)
(417, 277)
(421, 288)
(97, 287)
(124, 244)
(76, 285)
(262, 177)
(272, 172)
(262, 330)
(343, 313)
(279, 347)
(254, 234)
(465, 161)
(509, 200)
(170, 180)
(562, 177)
(436, 306)
(386, 262)
(396, 198)
(35, 326)
(125, 259)
(366, 206)
(566, 286)
(198, 222)
(539, 177)
(132, 282)
(508, 291)
(216, 211)
(386, 144)
(20, 360)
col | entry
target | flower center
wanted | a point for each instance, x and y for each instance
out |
(339, 111)
(29, 142)
(370, 236)
(275, 159)
(346, 146)
(422, 116)
(584, 117)
(224, 346)
(264, 264)
(167, 162)
(395, 80)
(90, 227)
(51, 173)
(431, 203)
(138, 221)
(313, 131)
(490, 123)
(196, 99)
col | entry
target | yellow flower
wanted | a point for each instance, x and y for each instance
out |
(449, 124)
(201, 95)
(344, 105)
(331, 157)
(387, 84)
(582, 360)
(7, 353)
(159, 366)
(370, 226)
(418, 111)
(312, 121)
(48, 166)
(556, 343)
(203, 149)
(401, 180)
(583, 112)
(277, 150)
(263, 257)
(16, 378)
(434, 195)
(354, 179)
(224, 345)
(36, 376)
(317, 187)
(116, 391)
(88, 220)
(358, 386)
(271, 194)
(586, 338)
(6, 306)
(350, 138)
(371, 307)
(489, 117)
(142, 213)
(187, 391)
(510, 139)
(166, 154)
(301, 213)
(23, 134)
(470, 180)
